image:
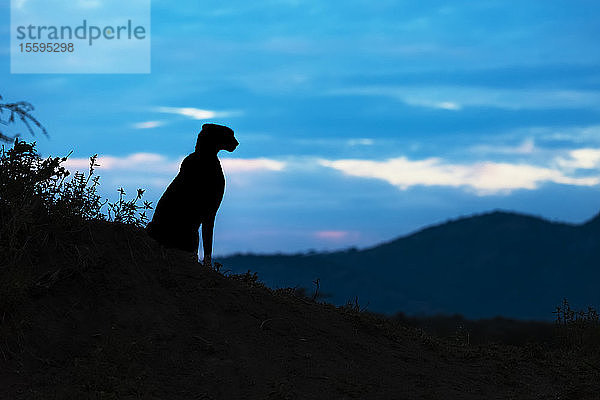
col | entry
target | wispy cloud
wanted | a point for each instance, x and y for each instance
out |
(442, 105)
(251, 164)
(484, 178)
(360, 142)
(565, 137)
(336, 235)
(143, 162)
(526, 147)
(148, 124)
(581, 159)
(197, 113)
(159, 164)
(455, 98)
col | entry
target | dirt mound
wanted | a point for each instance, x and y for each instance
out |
(112, 315)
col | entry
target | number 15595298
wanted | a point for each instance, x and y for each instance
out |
(47, 47)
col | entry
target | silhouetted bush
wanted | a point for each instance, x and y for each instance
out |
(41, 191)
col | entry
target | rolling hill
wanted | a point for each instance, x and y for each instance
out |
(498, 263)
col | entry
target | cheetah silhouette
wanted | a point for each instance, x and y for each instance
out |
(194, 196)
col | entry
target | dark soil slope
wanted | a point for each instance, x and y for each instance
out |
(108, 314)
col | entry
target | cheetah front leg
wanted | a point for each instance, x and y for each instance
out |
(207, 238)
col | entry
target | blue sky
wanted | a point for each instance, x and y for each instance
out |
(358, 121)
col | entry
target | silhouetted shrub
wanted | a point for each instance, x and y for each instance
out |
(37, 191)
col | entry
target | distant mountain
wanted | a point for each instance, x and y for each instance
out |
(499, 263)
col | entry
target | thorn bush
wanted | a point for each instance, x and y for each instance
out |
(37, 193)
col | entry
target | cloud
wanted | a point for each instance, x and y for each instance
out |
(197, 113)
(360, 142)
(484, 178)
(456, 98)
(335, 235)
(148, 124)
(563, 138)
(442, 105)
(480, 177)
(527, 147)
(587, 158)
(251, 164)
(159, 164)
(143, 162)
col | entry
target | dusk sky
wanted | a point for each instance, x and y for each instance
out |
(358, 121)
